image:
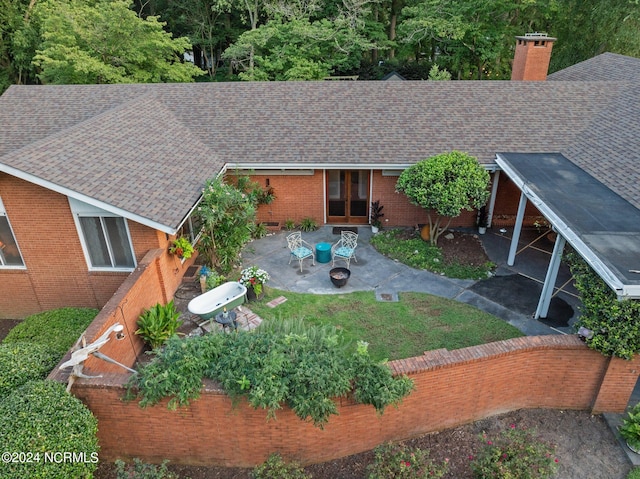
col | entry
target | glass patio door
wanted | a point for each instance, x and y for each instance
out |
(348, 196)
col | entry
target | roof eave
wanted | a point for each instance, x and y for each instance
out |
(86, 199)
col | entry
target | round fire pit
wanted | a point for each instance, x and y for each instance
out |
(339, 276)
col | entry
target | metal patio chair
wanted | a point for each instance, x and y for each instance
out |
(345, 248)
(299, 248)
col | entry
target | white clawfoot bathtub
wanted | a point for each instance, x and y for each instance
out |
(227, 295)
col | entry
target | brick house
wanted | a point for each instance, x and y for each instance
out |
(92, 177)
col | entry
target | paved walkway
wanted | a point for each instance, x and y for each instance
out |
(388, 278)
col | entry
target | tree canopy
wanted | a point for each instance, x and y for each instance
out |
(91, 41)
(444, 185)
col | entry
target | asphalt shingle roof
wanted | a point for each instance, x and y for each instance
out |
(148, 149)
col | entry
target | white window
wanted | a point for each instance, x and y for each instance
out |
(10, 256)
(105, 237)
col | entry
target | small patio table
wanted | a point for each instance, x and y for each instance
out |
(227, 319)
(323, 252)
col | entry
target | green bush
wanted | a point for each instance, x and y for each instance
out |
(23, 362)
(308, 224)
(289, 224)
(58, 329)
(158, 323)
(400, 461)
(514, 454)
(259, 230)
(304, 368)
(615, 325)
(275, 468)
(140, 470)
(42, 419)
(630, 428)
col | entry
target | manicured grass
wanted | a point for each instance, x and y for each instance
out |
(417, 323)
(415, 252)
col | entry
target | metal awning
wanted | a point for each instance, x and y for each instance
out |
(598, 223)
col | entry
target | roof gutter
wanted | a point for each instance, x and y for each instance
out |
(622, 291)
(86, 199)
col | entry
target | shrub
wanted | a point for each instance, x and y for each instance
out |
(214, 280)
(275, 468)
(24, 362)
(259, 231)
(227, 214)
(305, 368)
(289, 224)
(308, 224)
(400, 461)
(41, 418)
(514, 454)
(57, 329)
(616, 330)
(630, 428)
(159, 323)
(140, 470)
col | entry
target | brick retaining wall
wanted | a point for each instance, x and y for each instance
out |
(452, 388)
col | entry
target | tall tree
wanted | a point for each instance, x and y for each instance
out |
(103, 41)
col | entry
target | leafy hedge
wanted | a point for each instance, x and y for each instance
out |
(58, 329)
(23, 362)
(615, 324)
(304, 368)
(42, 419)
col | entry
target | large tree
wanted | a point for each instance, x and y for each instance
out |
(102, 41)
(444, 185)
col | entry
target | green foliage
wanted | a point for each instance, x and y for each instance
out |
(276, 468)
(259, 230)
(289, 224)
(158, 323)
(181, 247)
(445, 185)
(214, 280)
(58, 329)
(140, 470)
(308, 224)
(514, 454)
(306, 370)
(615, 325)
(435, 74)
(41, 417)
(176, 371)
(415, 252)
(400, 461)
(227, 214)
(634, 473)
(106, 42)
(630, 428)
(21, 362)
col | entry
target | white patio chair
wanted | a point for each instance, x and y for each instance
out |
(299, 248)
(345, 248)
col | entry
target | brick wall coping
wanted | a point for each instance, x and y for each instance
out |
(442, 358)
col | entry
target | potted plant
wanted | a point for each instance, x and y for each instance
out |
(376, 214)
(630, 429)
(181, 247)
(254, 279)
(483, 220)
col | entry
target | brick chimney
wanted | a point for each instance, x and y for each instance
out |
(532, 57)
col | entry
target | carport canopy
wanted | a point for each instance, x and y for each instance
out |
(600, 225)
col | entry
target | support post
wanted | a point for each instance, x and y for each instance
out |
(550, 280)
(517, 229)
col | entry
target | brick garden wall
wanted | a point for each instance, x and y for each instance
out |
(452, 388)
(56, 273)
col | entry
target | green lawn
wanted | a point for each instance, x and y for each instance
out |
(418, 322)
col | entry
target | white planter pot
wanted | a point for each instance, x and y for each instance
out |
(374, 229)
(482, 229)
